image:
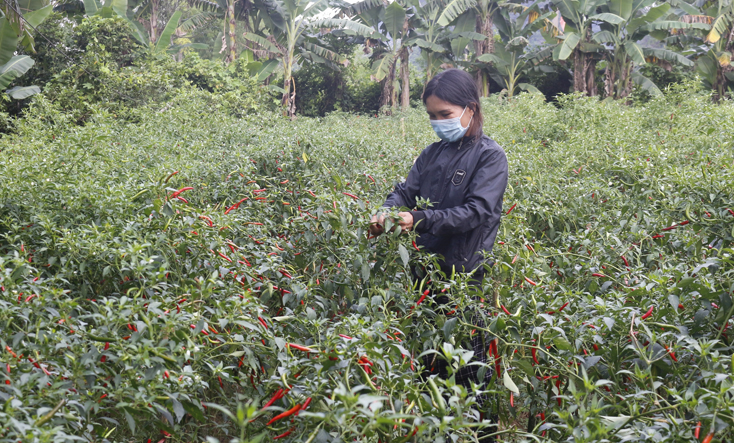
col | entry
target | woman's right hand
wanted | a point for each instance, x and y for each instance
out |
(376, 224)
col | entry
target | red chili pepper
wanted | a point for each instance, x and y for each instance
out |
(515, 258)
(711, 435)
(534, 352)
(350, 195)
(697, 432)
(680, 306)
(299, 347)
(171, 175)
(530, 281)
(207, 219)
(262, 322)
(420, 300)
(274, 398)
(285, 274)
(732, 213)
(283, 415)
(648, 313)
(505, 310)
(221, 255)
(626, 263)
(416, 246)
(512, 399)
(221, 385)
(596, 274)
(345, 336)
(563, 307)
(312, 194)
(234, 206)
(672, 354)
(510, 210)
(166, 374)
(285, 434)
(304, 406)
(177, 193)
(658, 236)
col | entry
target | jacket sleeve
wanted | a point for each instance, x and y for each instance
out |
(483, 200)
(404, 193)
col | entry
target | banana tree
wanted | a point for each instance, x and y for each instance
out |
(715, 66)
(119, 8)
(443, 30)
(16, 26)
(292, 26)
(156, 14)
(511, 61)
(624, 24)
(390, 43)
(574, 38)
(484, 12)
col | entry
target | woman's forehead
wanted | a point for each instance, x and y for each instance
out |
(435, 104)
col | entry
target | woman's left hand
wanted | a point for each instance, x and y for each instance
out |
(406, 221)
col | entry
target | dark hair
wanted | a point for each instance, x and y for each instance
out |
(458, 88)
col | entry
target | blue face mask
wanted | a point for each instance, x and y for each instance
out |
(450, 130)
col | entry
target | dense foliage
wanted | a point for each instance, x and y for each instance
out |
(154, 272)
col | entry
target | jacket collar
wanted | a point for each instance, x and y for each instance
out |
(465, 142)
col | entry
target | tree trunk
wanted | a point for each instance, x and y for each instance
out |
(289, 98)
(591, 77)
(154, 9)
(484, 26)
(232, 32)
(579, 71)
(404, 79)
(388, 89)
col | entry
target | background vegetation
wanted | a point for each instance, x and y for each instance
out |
(183, 260)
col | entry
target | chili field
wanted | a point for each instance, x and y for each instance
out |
(200, 275)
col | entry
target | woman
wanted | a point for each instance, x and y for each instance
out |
(465, 176)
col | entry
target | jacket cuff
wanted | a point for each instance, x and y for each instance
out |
(419, 216)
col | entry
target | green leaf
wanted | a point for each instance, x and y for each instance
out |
(344, 23)
(92, 7)
(404, 255)
(165, 38)
(605, 37)
(449, 326)
(568, 45)
(562, 344)
(635, 52)
(265, 43)
(267, 68)
(383, 65)
(19, 63)
(21, 92)
(529, 88)
(610, 18)
(119, 6)
(7, 78)
(35, 18)
(509, 384)
(646, 84)
(492, 58)
(394, 18)
(622, 8)
(8, 40)
(668, 55)
(453, 10)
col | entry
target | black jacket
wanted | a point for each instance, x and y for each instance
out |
(465, 181)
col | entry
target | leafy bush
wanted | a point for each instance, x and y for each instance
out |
(134, 307)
